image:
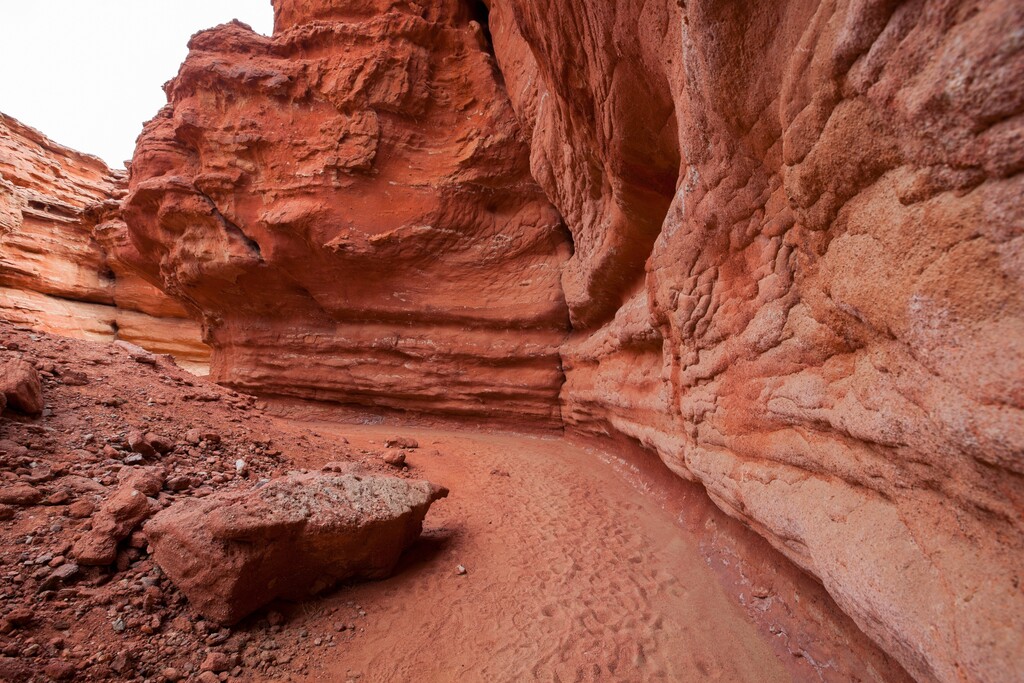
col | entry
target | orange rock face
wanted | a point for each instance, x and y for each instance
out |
(349, 206)
(798, 278)
(795, 268)
(56, 275)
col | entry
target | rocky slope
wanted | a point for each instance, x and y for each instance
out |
(119, 435)
(350, 207)
(820, 313)
(56, 273)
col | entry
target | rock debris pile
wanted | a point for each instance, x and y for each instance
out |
(146, 510)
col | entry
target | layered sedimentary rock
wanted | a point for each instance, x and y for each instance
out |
(796, 272)
(798, 278)
(56, 275)
(350, 207)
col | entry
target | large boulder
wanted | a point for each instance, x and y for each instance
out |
(20, 385)
(233, 552)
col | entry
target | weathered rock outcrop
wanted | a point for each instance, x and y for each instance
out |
(233, 552)
(795, 275)
(56, 275)
(349, 205)
(798, 278)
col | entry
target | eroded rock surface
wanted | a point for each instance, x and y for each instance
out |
(59, 275)
(232, 553)
(795, 273)
(820, 313)
(350, 207)
(20, 387)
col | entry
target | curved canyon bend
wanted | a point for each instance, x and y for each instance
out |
(505, 340)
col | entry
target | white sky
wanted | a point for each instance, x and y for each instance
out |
(88, 73)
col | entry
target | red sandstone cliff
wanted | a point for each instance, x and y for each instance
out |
(56, 275)
(350, 207)
(796, 273)
(798, 229)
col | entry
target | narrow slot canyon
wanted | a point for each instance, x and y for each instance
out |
(495, 340)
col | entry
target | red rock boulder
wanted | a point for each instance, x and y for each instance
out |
(233, 552)
(20, 385)
(119, 515)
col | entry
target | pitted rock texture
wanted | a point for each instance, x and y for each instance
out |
(233, 552)
(349, 206)
(56, 275)
(798, 278)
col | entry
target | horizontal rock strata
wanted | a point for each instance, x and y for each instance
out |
(56, 273)
(350, 207)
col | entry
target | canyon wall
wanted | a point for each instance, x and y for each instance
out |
(349, 205)
(797, 277)
(57, 273)
(795, 268)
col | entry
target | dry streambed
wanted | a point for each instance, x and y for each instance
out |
(542, 564)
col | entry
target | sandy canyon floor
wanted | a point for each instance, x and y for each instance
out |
(582, 562)
(570, 576)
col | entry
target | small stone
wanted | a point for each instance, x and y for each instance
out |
(20, 494)
(81, 508)
(178, 483)
(138, 443)
(39, 475)
(21, 386)
(118, 625)
(344, 467)
(300, 524)
(74, 378)
(394, 459)
(171, 675)
(60, 670)
(460, 570)
(137, 353)
(148, 480)
(59, 576)
(401, 442)
(160, 444)
(19, 617)
(58, 498)
(216, 662)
